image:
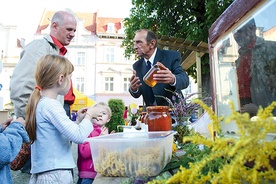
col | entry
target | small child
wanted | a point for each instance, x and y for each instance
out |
(101, 115)
(49, 128)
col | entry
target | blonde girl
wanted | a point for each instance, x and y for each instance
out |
(49, 128)
(101, 116)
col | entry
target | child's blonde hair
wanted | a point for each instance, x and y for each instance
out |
(101, 105)
(47, 72)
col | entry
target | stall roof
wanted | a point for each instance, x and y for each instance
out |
(187, 48)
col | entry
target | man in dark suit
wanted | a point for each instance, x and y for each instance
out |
(173, 78)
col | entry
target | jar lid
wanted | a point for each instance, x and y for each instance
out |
(157, 107)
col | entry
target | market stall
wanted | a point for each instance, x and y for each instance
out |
(241, 148)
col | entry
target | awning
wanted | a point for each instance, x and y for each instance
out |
(81, 101)
(187, 48)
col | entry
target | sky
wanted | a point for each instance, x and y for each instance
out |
(25, 14)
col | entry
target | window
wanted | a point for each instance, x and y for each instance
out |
(80, 84)
(109, 83)
(81, 58)
(126, 84)
(109, 56)
(110, 28)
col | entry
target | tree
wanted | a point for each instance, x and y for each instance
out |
(190, 19)
(117, 108)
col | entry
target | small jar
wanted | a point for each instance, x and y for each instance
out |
(158, 118)
(148, 78)
(142, 117)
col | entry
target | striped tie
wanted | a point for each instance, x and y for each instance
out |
(151, 95)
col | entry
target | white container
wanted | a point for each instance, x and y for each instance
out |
(131, 154)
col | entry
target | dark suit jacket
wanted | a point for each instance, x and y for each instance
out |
(171, 59)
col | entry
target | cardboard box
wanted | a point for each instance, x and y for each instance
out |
(4, 115)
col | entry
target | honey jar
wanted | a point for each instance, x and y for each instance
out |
(158, 118)
(148, 78)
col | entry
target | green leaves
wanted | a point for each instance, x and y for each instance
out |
(192, 154)
(117, 108)
(190, 19)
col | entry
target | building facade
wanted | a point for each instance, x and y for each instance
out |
(101, 70)
(10, 48)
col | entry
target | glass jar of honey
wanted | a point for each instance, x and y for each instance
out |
(158, 118)
(148, 78)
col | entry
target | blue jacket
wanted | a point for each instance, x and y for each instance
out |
(11, 141)
(171, 59)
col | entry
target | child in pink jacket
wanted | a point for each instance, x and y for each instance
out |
(101, 116)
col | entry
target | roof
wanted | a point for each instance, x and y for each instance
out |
(187, 48)
(95, 24)
(92, 22)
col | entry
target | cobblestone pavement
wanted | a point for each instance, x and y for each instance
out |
(23, 178)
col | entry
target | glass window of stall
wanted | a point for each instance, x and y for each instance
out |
(242, 44)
